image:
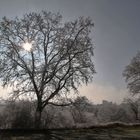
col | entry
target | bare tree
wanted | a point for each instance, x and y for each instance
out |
(132, 75)
(134, 104)
(80, 105)
(42, 56)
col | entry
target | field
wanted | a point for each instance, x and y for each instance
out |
(96, 133)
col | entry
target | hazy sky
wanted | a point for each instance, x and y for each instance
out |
(116, 37)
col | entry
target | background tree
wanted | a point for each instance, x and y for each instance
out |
(120, 115)
(134, 104)
(16, 114)
(42, 56)
(132, 75)
(106, 111)
(81, 106)
(22, 115)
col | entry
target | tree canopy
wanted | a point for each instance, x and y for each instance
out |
(132, 75)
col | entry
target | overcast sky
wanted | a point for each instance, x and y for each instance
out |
(116, 37)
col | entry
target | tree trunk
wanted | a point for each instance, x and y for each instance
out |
(38, 114)
(137, 117)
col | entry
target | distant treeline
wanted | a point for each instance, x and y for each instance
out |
(81, 113)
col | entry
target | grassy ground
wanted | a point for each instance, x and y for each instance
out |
(99, 133)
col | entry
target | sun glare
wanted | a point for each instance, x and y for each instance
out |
(27, 46)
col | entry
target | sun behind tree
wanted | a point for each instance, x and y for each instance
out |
(27, 46)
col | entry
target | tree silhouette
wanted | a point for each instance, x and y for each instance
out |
(132, 75)
(43, 56)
